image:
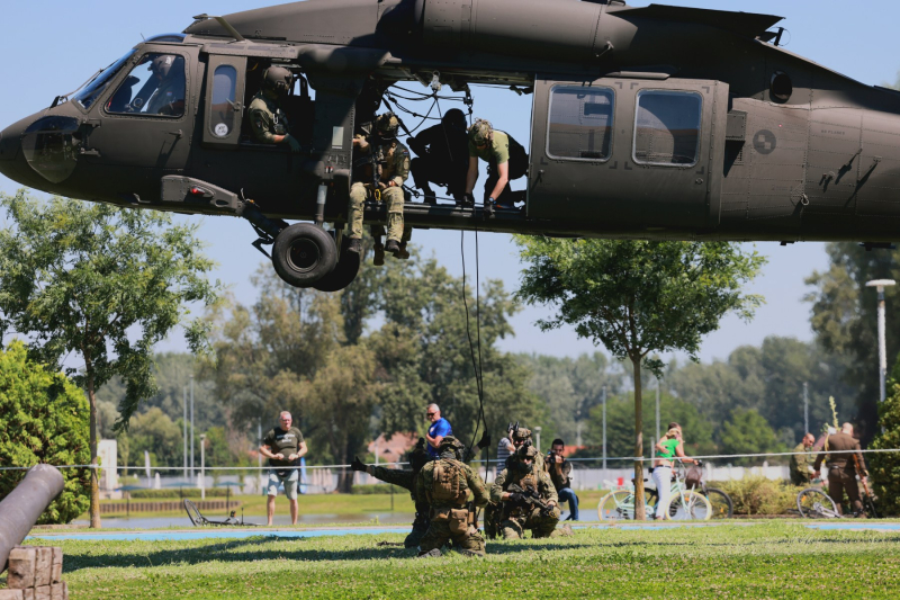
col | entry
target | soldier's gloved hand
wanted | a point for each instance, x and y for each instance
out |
(485, 441)
(357, 465)
(469, 200)
(293, 143)
(517, 498)
(382, 186)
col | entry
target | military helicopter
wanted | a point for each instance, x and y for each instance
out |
(657, 122)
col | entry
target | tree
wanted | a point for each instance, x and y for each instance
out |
(155, 433)
(748, 432)
(104, 284)
(845, 322)
(638, 297)
(885, 467)
(44, 420)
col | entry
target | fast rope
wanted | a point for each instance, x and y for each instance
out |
(477, 360)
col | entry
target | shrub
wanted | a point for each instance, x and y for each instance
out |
(756, 495)
(377, 488)
(44, 419)
(885, 467)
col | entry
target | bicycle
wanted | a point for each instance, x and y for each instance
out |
(684, 503)
(813, 503)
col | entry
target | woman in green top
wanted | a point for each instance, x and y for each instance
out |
(670, 447)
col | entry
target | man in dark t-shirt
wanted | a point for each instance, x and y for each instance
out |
(283, 446)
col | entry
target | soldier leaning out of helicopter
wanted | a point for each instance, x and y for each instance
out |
(506, 159)
(267, 119)
(381, 166)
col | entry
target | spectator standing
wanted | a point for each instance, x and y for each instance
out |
(504, 448)
(667, 450)
(842, 468)
(800, 467)
(283, 445)
(560, 471)
(438, 430)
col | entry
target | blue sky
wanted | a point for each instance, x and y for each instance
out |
(50, 47)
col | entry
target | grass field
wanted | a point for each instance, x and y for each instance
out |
(774, 559)
(255, 505)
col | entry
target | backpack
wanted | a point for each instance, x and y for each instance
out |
(693, 477)
(446, 486)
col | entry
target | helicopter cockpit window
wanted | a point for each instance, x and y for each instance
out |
(581, 122)
(667, 128)
(88, 94)
(222, 111)
(155, 86)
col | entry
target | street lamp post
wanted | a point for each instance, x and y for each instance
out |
(879, 285)
(202, 466)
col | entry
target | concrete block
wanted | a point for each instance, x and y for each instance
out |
(59, 591)
(29, 594)
(42, 592)
(56, 565)
(43, 566)
(22, 563)
(11, 595)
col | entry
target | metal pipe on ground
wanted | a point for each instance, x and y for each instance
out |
(21, 509)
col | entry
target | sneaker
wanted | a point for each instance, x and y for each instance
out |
(378, 260)
(403, 253)
(393, 246)
(354, 246)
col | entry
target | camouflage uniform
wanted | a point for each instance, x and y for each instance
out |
(387, 163)
(517, 518)
(493, 514)
(445, 484)
(267, 119)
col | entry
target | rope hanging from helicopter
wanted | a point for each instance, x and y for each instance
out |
(390, 99)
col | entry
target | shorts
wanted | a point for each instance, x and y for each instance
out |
(290, 483)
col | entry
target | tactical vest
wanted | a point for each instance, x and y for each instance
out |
(448, 483)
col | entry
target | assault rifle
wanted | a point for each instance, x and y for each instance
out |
(532, 498)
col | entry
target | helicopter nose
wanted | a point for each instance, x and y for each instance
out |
(9, 143)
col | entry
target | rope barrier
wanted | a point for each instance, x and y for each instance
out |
(493, 460)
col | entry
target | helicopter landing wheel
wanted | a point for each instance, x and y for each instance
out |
(343, 273)
(303, 254)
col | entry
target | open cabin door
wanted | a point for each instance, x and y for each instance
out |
(628, 155)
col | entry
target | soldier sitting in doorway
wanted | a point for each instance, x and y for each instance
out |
(380, 170)
(268, 121)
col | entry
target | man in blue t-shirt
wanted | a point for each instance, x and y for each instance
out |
(439, 429)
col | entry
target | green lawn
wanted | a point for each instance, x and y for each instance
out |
(769, 559)
(344, 504)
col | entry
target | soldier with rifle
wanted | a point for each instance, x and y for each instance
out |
(528, 498)
(445, 485)
(405, 478)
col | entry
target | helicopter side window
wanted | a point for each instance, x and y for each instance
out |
(88, 94)
(222, 111)
(581, 122)
(155, 86)
(667, 128)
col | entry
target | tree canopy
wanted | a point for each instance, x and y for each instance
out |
(44, 421)
(103, 284)
(638, 297)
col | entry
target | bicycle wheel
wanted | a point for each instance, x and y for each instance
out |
(689, 506)
(722, 506)
(616, 506)
(813, 503)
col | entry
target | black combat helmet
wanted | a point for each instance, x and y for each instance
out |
(278, 80)
(455, 119)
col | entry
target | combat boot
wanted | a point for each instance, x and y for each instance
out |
(435, 553)
(393, 246)
(403, 253)
(354, 246)
(378, 259)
